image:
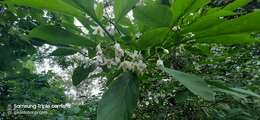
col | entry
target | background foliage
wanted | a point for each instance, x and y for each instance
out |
(207, 55)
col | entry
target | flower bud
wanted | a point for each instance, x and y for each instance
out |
(159, 63)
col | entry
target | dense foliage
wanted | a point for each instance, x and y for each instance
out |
(153, 59)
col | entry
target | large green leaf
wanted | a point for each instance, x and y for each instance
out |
(153, 37)
(52, 5)
(246, 92)
(81, 73)
(207, 21)
(236, 4)
(229, 92)
(230, 39)
(63, 51)
(221, 86)
(99, 11)
(122, 7)
(194, 83)
(120, 100)
(179, 8)
(84, 5)
(244, 24)
(153, 16)
(56, 35)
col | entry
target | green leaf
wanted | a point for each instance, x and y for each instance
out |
(221, 86)
(179, 8)
(227, 91)
(152, 37)
(81, 73)
(236, 4)
(120, 100)
(194, 83)
(68, 23)
(52, 5)
(230, 39)
(64, 51)
(153, 16)
(196, 5)
(207, 21)
(56, 35)
(84, 5)
(244, 24)
(122, 7)
(99, 11)
(246, 92)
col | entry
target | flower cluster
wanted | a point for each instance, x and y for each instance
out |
(135, 64)
(189, 35)
(176, 28)
(125, 60)
(159, 63)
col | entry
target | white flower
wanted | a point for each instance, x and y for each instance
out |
(111, 29)
(99, 50)
(140, 3)
(166, 51)
(117, 60)
(159, 63)
(138, 35)
(119, 52)
(131, 66)
(176, 28)
(135, 55)
(190, 35)
(140, 67)
(150, 98)
(99, 59)
(221, 17)
(146, 103)
(98, 31)
(108, 62)
(124, 65)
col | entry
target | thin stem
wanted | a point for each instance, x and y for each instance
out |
(113, 25)
(111, 22)
(108, 34)
(103, 28)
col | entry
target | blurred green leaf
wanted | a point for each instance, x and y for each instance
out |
(230, 39)
(229, 92)
(196, 5)
(244, 24)
(64, 51)
(122, 7)
(56, 35)
(207, 21)
(194, 83)
(52, 5)
(179, 8)
(84, 5)
(153, 16)
(246, 92)
(221, 86)
(236, 4)
(153, 37)
(81, 73)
